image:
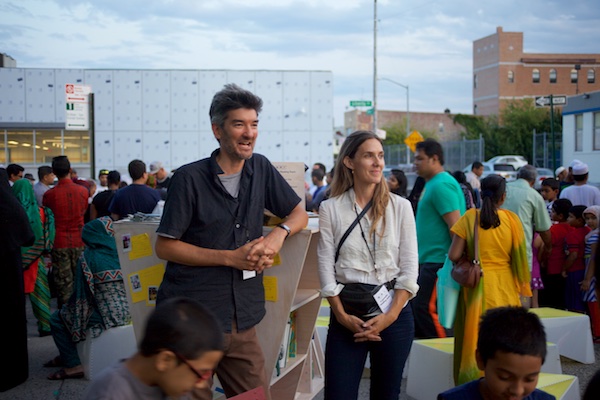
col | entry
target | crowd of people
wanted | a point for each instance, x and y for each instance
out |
(379, 255)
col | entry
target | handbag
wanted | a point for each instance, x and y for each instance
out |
(468, 272)
(358, 298)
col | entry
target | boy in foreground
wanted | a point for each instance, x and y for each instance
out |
(511, 349)
(182, 345)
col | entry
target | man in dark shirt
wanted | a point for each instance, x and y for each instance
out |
(136, 197)
(101, 202)
(211, 235)
(163, 178)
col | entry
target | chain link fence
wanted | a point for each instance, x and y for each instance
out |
(542, 150)
(457, 153)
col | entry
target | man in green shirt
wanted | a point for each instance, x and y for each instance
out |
(441, 205)
(529, 205)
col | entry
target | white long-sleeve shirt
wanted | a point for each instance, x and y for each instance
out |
(395, 253)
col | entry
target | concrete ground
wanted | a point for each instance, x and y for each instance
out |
(37, 387)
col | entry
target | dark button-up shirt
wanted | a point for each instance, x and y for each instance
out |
(200, 211)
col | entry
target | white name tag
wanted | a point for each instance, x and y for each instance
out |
(248, 274)
(384, 298)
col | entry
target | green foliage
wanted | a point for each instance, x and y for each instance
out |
(396, 133)
(512, 131)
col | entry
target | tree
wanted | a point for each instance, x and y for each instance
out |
(512, 131)
(395, 133)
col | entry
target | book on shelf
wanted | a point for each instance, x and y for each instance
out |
(283, 350)
(293, 342)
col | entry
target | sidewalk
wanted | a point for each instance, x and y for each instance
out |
(37, 387)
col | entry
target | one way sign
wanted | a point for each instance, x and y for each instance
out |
(542, 101)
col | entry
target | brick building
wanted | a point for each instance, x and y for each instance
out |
(502, 71)
(441, 124)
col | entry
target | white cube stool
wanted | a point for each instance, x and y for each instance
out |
(430, 367)
(112, 345)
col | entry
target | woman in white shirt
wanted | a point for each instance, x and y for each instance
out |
(381, 249)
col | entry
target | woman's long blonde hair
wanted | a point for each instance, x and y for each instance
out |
(344, 180)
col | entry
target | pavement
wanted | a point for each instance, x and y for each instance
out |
(37, 387)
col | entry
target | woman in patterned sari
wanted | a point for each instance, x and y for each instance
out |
(98, 301)
(35, 274)
(506, 275)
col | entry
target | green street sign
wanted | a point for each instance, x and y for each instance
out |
(361, 103)
(370, 111)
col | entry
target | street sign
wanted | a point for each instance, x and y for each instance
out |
(542, 101)
(370, 111)
(77, 107)
(412, 140)
(361, 103)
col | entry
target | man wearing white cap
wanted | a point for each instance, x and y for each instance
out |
(580, 193)
(562, 174)
(162, 176)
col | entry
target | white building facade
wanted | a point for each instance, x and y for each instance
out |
(158, 115)
(581, 132)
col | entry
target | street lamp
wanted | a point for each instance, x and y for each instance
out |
(407, 111)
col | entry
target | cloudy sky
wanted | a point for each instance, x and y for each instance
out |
(426, 45)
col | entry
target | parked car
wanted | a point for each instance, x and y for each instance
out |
(514, 160)
(506, 170)
(543, 173)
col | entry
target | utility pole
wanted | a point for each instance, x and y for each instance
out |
(375, 66)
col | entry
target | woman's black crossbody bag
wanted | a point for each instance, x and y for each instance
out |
(358, 298)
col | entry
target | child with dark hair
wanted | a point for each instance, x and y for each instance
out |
(574, 267)
(553, 294)
(467, 189)
(397, 182)
(182, 345)
(503, 259)
(588, 285)
(550, 191)
(511, 349)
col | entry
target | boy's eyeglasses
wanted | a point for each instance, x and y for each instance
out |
(202, 376)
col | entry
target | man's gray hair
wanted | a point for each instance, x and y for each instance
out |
(527, 172)
(232, 97)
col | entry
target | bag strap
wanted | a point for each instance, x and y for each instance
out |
(350, 228)
(476, 238)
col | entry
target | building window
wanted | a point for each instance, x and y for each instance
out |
(475, 109)
(511, 77)
(38, 146)
(552, 75)
(475, 81)
(573, 75)
(579, 132)
(535, 75)
(597, 131)
(591, 76)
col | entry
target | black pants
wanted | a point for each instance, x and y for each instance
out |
(427, 324)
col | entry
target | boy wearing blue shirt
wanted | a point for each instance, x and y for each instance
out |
(511, 349)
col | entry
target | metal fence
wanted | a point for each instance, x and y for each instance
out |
(542, 149)
(457, 153)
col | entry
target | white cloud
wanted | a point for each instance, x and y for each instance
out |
(426, 45)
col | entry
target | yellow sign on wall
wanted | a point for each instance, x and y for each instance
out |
(412, 140)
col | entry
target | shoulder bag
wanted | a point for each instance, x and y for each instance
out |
(468, 272)
(358, 298)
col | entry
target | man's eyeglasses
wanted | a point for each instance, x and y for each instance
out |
(202, 376)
